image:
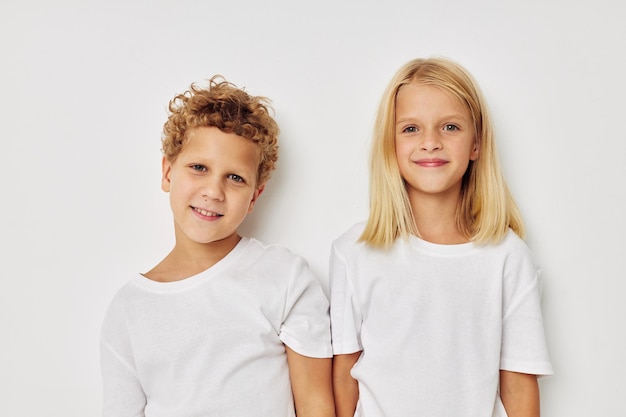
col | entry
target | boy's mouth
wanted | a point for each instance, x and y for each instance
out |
(206, 212)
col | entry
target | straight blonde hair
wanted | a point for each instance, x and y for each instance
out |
(486, 209)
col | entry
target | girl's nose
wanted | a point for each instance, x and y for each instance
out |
(430, 142)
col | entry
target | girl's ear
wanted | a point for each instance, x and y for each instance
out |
(475, 151)
(166, 169)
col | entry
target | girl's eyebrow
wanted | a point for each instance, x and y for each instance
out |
(404, 120)
(453, 116)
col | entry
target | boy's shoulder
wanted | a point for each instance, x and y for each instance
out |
(117, 310)
(255, 244)
(250, 257)
(273, 255)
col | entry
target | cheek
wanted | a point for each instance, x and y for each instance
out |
(403, 161)
(245, 201)
(404, 151)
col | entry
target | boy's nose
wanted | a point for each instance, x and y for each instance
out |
(213, 189)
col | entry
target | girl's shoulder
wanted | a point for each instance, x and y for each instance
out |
(516, 254)
(348, 244)
(352, 233)
(350, 238)
(512, 243)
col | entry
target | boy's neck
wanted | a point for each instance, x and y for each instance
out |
(189, 259)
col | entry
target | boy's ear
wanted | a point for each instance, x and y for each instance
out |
(166, 169)
(255, 196)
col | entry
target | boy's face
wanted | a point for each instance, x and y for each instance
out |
(212, 185)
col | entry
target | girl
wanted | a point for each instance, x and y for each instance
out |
(435, 300)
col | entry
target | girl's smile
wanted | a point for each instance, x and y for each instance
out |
(431, 162)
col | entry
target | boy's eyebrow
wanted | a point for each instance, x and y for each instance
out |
(239, 169)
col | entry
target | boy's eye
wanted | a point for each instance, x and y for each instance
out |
(450, 127)
(236, 178)
(198, 167)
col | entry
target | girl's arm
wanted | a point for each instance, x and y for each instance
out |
(311, 384)
(345, 388)
(520, 394)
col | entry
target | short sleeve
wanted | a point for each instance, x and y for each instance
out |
(122, 391)
(306, 325)
(524, 347)
(345, 314)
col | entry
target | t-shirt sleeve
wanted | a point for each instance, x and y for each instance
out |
(305, 326)
(123, 395)
(345, 314)
(524, 347)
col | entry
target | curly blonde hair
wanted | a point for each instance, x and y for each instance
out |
(231, 110)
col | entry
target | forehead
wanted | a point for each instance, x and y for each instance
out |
(417, 97)
(211, 144)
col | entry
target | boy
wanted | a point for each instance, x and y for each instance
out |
(224, 325)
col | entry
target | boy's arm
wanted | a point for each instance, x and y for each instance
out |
(311, 384)
(520, 394)
(345, 388)
(122, 392)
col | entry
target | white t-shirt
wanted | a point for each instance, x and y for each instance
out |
(436, 323)
(212, 344)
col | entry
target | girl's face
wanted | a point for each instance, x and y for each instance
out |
(435, 140)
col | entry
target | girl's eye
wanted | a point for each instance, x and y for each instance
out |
(450, 128)
(409, 129)
(235, 178)
(198, 167)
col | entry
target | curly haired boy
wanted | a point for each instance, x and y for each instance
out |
(224, 325)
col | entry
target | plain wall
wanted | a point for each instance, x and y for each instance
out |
(84, 91)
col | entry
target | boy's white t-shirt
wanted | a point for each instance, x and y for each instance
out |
(213, 344)
(436, 323)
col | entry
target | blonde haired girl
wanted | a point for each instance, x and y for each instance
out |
(435, 300)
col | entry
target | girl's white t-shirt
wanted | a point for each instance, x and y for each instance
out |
(436, 323)
(213, 344)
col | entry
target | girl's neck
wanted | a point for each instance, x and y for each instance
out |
(435, 218)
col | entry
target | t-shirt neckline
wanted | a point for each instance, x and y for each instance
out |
(146, 283)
